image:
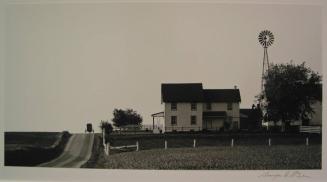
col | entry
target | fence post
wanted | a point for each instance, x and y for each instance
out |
(232, 143)
(106, 148)
(137, 145)
(307, 141)
(269, 142)
(165, 144)
(103, 138)
(194, 143)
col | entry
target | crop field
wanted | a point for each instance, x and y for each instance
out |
(32, 148)
(20, 140)
(221, 157)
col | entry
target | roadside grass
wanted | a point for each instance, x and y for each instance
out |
(97, 148)
(221, 157)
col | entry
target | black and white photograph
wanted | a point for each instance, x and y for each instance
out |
(163, 86)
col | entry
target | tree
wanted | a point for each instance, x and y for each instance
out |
(126, 117)
(289, 92)
(106, 127)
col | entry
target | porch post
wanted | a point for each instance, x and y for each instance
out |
(152, 123)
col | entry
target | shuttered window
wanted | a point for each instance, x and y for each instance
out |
(193, 120)
(173, 106)
(173, 120)
(193, 106)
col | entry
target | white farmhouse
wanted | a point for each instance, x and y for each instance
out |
(189, 107)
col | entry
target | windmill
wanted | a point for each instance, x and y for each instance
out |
(266, 39)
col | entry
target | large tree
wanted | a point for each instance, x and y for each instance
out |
(289, 92)
(126, 117)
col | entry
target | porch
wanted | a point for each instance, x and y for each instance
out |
(214, 121)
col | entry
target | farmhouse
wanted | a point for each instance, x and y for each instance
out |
(189, 107)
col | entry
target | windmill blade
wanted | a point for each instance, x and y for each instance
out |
(266, 38)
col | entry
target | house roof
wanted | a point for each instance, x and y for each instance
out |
(193, 92)
(245, 112)
(158, 114)
(215, 114)
(222, 95)
(181, 92)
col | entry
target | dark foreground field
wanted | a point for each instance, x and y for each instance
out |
(235, 158)
(33, 148)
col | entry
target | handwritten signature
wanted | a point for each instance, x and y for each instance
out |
(286, 174)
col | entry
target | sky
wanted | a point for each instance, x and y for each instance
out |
(70, 64)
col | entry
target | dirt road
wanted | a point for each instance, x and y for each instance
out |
(77, 151)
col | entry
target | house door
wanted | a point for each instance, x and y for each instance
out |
(235, 125)
(208, 124)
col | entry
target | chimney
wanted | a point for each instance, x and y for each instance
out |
(235, 87)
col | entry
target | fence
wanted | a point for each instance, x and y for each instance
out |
(197, 139)
(197, 129)
(310, 129)
(232, 142)
(144, 129)
(107, 147)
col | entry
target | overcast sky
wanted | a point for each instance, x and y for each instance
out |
(72, 64)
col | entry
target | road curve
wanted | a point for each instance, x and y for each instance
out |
(77, 151)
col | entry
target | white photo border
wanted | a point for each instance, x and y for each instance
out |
(65, 174)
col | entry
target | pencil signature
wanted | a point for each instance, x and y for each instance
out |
(286, 174)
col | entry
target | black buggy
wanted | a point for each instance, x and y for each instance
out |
(89, 128)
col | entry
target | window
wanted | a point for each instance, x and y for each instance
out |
(208, 106)
(193, 120)
(173, 106)
(173, 120)
(193, 106)
(229, 106)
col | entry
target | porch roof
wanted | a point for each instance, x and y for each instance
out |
(220, 114)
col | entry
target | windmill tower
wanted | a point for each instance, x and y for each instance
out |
(266, 39)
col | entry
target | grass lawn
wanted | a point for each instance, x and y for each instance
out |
(221, 157)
